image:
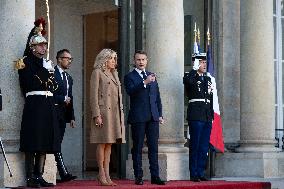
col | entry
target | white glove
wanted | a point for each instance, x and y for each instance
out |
(48, 64)
(196, 64)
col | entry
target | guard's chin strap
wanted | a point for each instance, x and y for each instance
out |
(38, 54)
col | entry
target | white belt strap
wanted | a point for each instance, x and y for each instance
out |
(45, 93)
(198, 100)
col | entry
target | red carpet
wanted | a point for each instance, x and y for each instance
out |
(127, 184)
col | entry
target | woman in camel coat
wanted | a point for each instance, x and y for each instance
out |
(107, 125)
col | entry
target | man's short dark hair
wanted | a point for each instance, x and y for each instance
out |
(62, 51)
(140, 52)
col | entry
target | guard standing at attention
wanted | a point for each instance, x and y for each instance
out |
(39, 133)
(200, 114)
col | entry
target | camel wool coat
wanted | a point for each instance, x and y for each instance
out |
(106, 100)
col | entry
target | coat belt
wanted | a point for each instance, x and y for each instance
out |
(198, 100)
(45, 93)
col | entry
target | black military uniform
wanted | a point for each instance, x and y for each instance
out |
(39, 133)
(197, 88)
(40, 130)
(199, 115)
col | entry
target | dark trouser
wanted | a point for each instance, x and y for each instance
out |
(63, 172)
(34, 163)
(199, 145)
(62, 127)
(151, 129)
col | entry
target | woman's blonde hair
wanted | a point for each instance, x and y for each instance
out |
(102, 58)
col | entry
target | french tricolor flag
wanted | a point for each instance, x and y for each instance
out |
(216, 137)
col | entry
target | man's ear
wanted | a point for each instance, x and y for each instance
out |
(59, 61)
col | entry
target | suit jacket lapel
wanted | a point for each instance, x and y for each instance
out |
(137, 75)
(58, 76)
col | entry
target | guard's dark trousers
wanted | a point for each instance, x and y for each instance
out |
(199, 145)
(34, 163)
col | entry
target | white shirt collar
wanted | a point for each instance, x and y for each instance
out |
(60, 69)
(139, 71)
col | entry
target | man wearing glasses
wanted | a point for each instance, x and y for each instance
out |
(64, 105)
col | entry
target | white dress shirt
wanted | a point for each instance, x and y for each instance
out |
(61, 73)
(141, 75)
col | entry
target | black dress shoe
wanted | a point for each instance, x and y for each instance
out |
(43, 183)
(33, 183)
(157, 180)
(67, 178)
(194, 179)
(203, 178)
(139, 181)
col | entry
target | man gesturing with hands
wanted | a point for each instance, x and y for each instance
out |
(144, 116)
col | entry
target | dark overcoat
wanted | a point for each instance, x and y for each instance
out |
(39, 126)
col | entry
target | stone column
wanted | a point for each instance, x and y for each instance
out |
(17, 18)
(256, 152)
(165, 48)
(257, 77)
(227, 34)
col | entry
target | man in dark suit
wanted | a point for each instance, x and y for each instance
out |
(198, 86)
(64, 105)
(145, 114)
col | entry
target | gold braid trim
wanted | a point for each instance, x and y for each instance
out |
(19, 64)
(39, 79)
(53, 83)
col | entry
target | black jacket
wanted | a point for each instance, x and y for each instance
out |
(198, 87)
(144, 102)
(39, 127)
(65, 112)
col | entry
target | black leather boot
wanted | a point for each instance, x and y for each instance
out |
(39, 169)
(32, 181)
(63, 172)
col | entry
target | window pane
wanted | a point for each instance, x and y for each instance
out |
(282, 30)
(282, 83)
(275, 79)
(276, 131)
(275, 31)
(282, 11)
(274, 7)
(276, 116)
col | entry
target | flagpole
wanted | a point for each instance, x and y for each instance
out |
(208, 37)
(198, 36)
(48, 29)
(195, 32)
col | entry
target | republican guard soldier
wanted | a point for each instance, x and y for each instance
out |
(39, 133)
(200, 114)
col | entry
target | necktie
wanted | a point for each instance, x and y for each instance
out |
(144, 75)
(65, 82)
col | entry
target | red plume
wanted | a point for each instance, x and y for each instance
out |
(40, 21)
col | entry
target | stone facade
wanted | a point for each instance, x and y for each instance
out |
(243, 53)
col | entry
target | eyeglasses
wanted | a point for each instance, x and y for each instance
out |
(68, 58)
